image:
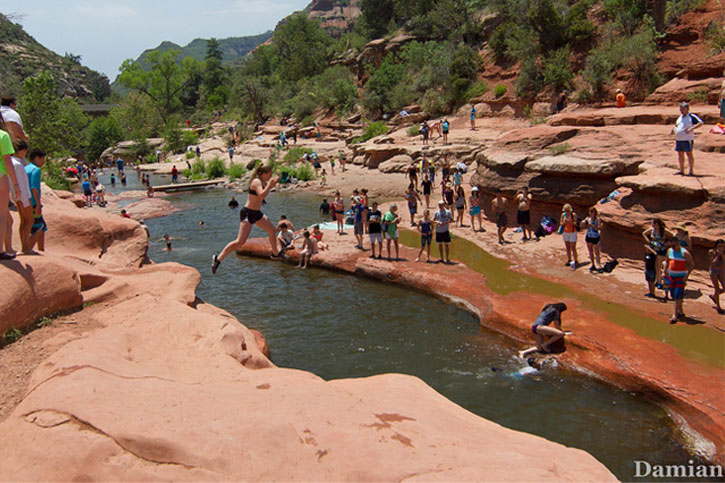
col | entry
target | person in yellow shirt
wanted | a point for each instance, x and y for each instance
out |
(621, 99)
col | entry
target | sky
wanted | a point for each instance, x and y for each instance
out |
(106, 32)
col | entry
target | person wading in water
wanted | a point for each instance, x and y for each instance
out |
(262, 183)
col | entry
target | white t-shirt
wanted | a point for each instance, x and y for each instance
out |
(683, 124)
(10, 115)
(23, 183)
(442, 218)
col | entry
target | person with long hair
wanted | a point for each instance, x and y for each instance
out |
(593, 238)
(474, 207)
(338, 206)
(568, 224)
(411, 195)
(262, 183)
(655, 237)
(8, 183)
(460, 206)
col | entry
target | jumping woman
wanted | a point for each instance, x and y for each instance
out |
(262, 183)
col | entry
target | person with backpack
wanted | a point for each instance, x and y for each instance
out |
(425, 131)
(684, 132)
(445, 127)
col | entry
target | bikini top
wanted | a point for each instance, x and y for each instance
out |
(254, 192)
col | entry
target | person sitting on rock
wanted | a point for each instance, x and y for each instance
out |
(621, 99)
(309, 248)
(546, 335)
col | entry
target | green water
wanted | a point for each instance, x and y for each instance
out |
(692, 341)
(340, 326)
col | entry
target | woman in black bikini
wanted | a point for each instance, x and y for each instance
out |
(262, 183)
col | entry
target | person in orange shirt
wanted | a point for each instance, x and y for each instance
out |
(621, 99)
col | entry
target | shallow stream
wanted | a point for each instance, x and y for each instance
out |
(340, 326)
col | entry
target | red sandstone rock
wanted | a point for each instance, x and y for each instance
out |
(150, 208)
(35, 286)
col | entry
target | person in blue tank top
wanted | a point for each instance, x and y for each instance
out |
(593, 237)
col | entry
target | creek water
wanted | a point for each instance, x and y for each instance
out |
(341, 326)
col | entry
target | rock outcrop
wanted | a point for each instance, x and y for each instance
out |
(172, 388)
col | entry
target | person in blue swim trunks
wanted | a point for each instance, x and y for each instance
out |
(474, 203)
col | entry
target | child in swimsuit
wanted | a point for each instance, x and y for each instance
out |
(317, 234)
(309, 248)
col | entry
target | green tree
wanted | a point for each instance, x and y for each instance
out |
(377, 15)
(301, 48)
(164, 82)
(102, 133)
(215, 92)
(52, 124)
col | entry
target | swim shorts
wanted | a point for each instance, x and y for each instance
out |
(676, 286)
(475, 210)
(426, 240)
(684, 146)
(389, 236)
(569, 237)
(376, 238)
(252, 216)
(523, 217)
(502, 220)
(359, 228)
(594, 240)
(443, 237)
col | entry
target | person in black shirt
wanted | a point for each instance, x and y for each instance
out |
(427, 188)
(325, 207)
(233, 203)
(375, 229)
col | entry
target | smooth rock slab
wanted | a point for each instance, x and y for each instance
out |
(568, 165)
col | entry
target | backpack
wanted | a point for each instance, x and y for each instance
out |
(609, 266)
(547, 224)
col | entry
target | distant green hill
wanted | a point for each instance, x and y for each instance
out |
(233, 49)
(21, 56)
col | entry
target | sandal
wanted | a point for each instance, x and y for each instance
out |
(673, 319)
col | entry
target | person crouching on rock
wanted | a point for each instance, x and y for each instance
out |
(546, 335)
(262, 183)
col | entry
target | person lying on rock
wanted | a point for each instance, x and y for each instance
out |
(546, 335)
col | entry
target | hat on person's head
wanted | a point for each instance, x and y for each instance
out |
(681, 226)
(141, 221)
(684, 104)
(619, 90)
(475, 188)
(441, 202)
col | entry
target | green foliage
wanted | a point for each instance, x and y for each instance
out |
(151, 158)
(54, 125)
(300, 48)
(598, 72)
(699, 95)
(295, 154)
(190, 155)
(476, 89)
(335, 88)
(556, 73)
(557, 149)
(164, 83)
(414, 130)
(190, 138)
(303, 172)
(499, 90)
(198, 168)
(433, 103)
(377, 16)
(174, 137)
(214, 90)
(715, 35)
(530, 80)
(626, 14)
(215, 168)
(102, 133)
(236, 171)
(11, 335)
(381, 83)
(137, 117)
(53, 175)
(372, 130)
(676, 8)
